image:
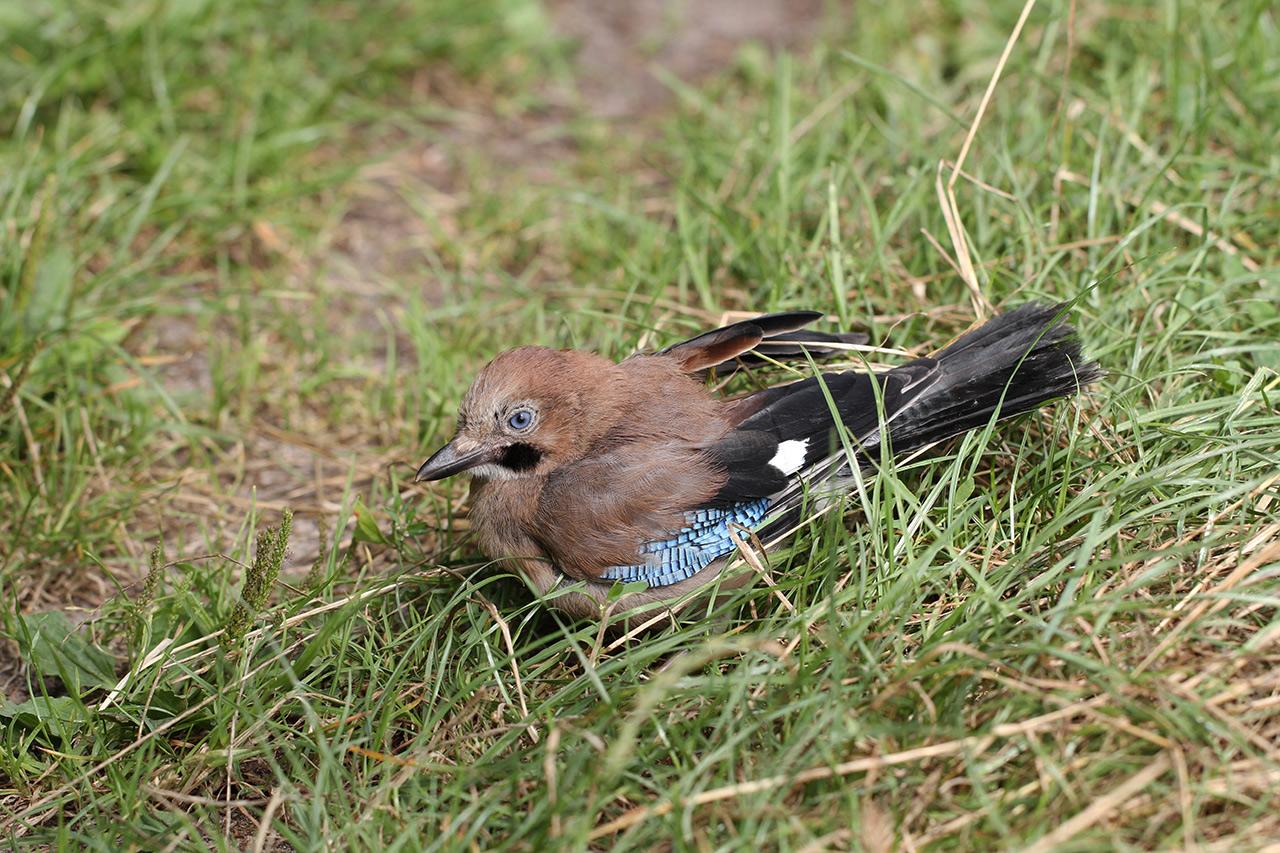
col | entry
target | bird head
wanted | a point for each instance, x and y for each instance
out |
(525, 414)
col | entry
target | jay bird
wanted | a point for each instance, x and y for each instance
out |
(586, 472)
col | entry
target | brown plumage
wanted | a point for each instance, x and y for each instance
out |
(620, 455)
(585, 472)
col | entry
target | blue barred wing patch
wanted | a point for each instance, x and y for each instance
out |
(703, 539)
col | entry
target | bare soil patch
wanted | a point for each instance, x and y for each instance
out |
(622, 52)
(621, 44)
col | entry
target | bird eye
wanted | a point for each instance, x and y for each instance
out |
(520, 420)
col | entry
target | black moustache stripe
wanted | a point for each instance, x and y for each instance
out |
(520, 457)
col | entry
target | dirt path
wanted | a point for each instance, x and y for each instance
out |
(621, 43)
(622, 51)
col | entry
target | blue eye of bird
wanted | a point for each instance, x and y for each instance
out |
(520, 419)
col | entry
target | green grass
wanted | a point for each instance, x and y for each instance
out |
(1065, 625)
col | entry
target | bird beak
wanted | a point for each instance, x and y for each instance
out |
(455, 457)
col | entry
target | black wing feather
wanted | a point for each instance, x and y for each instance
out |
(768, 325)
(800, 412)
(1012, 364)
(744, 455)
(775, 336)
(790, 345)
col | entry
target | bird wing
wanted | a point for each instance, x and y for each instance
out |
(788, 441)
(605, 509)
(787, 430)
(769, 336)
(706, 536)
(661, 511)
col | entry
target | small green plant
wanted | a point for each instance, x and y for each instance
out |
(144, 604)
(268, 557)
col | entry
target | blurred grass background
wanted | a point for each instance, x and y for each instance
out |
(252, 255)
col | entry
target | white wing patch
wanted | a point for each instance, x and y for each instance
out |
(790, 456)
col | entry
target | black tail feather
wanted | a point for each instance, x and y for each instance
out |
(790, 345)
(1015, 363)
